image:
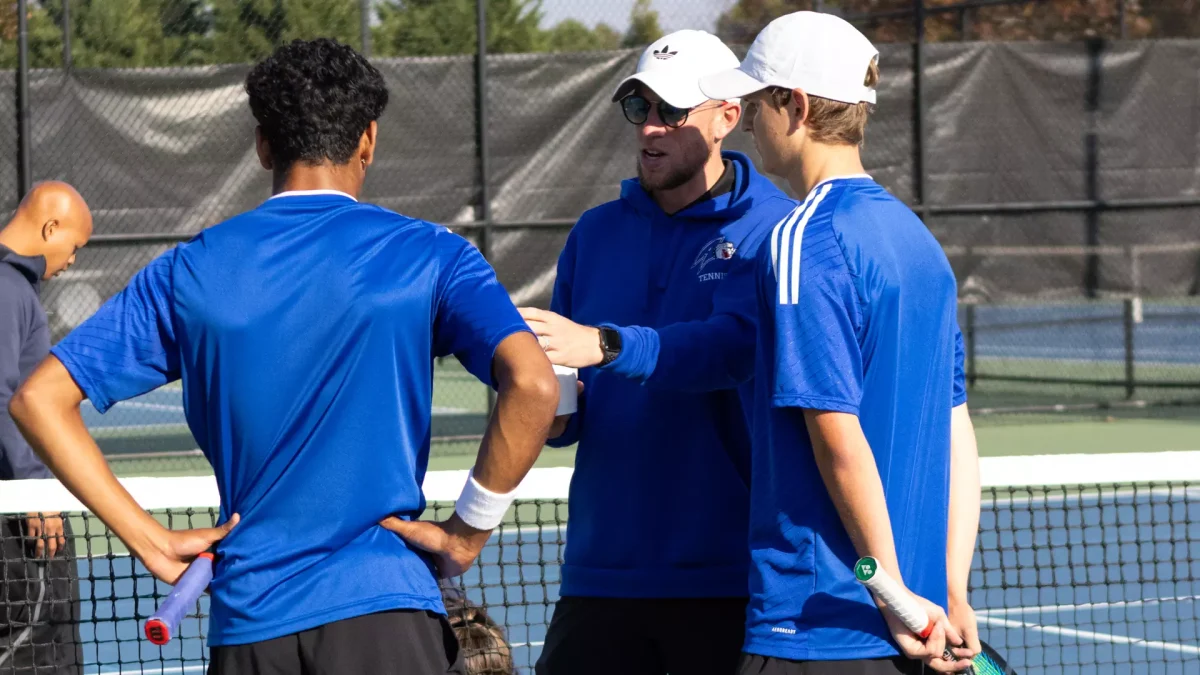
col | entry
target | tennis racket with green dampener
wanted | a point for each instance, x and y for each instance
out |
(906, 608)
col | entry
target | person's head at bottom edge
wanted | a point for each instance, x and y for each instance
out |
(482, 642)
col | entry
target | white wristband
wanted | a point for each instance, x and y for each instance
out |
(481, 508)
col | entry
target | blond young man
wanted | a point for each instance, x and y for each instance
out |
(862, 441)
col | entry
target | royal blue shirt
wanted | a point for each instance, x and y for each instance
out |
(857, 314)
(304, 334)
(660, 495)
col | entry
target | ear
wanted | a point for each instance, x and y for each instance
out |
(366, 144)
(727, 121)
(264, 149)
(800, 108)
(48, 229)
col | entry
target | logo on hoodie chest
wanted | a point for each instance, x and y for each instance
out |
(717, 250)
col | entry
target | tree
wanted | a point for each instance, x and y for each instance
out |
(187, 27)
(119, 34)
(643, 26)
(742, 22)
(44, 37)
(441, 27)
(1019, 20)
(247, 30)
(186, 18)
(572, 36)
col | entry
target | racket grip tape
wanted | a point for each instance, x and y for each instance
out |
(161, 627)
(899, 602)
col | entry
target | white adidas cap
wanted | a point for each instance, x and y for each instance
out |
(820, 53)
(673, 65)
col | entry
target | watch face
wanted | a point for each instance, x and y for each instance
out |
(612, 340)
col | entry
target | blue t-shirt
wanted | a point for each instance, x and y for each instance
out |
(304, 334)
(857, 314)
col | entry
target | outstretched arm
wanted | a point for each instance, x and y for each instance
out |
(714, 353)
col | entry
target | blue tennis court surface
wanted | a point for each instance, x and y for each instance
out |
(1087, 332)
(1107, 581)
(1100, 580)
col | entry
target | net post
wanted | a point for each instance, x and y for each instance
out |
(1129, 319)
(970, 340)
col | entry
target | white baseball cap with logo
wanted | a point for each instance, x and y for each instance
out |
(820, 53)
(673, 65)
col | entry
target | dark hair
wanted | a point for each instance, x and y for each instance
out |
(313, 100)
(484, 648)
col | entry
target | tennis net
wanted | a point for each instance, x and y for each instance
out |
(1084, 564)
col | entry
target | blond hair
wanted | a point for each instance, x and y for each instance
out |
(834, 122)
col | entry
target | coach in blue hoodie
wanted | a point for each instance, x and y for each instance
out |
(654, 303)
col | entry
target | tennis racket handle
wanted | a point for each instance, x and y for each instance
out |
(161, 627)
(899, 602)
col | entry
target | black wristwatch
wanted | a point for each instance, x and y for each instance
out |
(610, 344)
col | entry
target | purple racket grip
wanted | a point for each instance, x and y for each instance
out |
(161, 627)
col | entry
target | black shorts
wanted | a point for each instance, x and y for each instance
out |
(603, 636)
(753, 664)
(39, 605)
(401, 641)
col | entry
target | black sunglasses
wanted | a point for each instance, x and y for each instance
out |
(637, 110)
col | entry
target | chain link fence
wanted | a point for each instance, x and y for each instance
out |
(1054, 160)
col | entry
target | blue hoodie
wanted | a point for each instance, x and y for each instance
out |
(660, 496)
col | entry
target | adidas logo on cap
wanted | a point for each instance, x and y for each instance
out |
(664, 54)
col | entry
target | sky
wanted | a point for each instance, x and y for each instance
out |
(672, 14)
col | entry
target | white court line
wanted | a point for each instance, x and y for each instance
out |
(146, 670)
(515, 645)
(1092, 635)
(1086, 606)
(1095, 494)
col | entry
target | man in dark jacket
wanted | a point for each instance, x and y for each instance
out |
(39, 596)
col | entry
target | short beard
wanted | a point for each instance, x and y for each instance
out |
(693, 157)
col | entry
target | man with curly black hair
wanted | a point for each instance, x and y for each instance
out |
(304, 333)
